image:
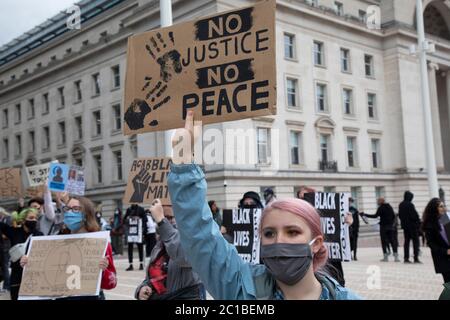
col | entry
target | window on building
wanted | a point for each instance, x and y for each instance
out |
(368, 62)
(116, 76)
(5, 149)
(78, 128)
(5, 119)
(324, 147)
(362, 16)
(380, 192)
(18, 114)
(62, 101)
(329, 189)
(263, 142)
(339, 8)
(291, 92)
(32, 142)
(356, 195)
(78, 93)
(345, 60)
(46, 138)
(97, 123)
(78, 161)
(117, 120)
(45, 104)
(118, 163)
(96, 83)
(295, 146)
(319, 53)
(62, 133)
(289, 46)
(98, 168)
(18, 146)
(321, 97)
(347, 97)
(375, 143)
(351, 151)
(372, 105)
(31, 109)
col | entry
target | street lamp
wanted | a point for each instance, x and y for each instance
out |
(424, 47)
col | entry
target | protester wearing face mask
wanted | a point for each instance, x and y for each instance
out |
(117, 231)
(79, 217)
(169, 275)
(26, 222)
(250, 200)
(292, 244)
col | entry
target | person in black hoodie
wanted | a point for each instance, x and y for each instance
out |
(250, 199)
(437, 238)
(136, 212)
(410, 223)
(387, 228)
(354, 228)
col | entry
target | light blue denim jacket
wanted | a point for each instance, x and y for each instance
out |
(225, 275)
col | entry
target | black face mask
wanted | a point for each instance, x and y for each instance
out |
(31, 225)
(287, 262)
(249, 206)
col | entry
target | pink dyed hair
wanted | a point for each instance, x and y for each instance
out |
(310, 215)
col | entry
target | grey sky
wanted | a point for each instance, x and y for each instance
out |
(19, 16)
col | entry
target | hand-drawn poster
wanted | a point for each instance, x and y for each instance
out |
(38, 174)
(222, 67)
(333, 208)
(63, 266)
(243, 225)
(63, 177)
(10, 183)
(147, 181)
(135, 230)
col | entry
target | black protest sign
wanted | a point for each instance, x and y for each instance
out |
(243, 226)
(134, 230)
(147, 181)
(333, 208)
(221, 67)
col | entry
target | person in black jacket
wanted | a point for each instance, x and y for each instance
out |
(410, 223)
(354, 228)
(135, 213)
(387, 228)
(436, 237)
(27, 227)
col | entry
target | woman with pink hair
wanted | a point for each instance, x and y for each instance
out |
(292, 244)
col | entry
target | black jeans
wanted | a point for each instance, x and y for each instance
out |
(388, 237)
(414, 236)
(150, 241)
(446, 276)
(140, 249)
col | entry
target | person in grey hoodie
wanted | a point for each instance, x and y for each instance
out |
(169, 276)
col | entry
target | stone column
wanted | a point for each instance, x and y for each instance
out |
(434, 103)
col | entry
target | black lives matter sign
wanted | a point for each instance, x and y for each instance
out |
(333, 208)
(243, 226)
(147, 181)
(221, 67)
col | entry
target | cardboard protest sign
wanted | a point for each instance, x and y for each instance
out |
(221, 67)
(135, 230)
(333, 208)
(10, 183)
(64, 177)
(33, 192)
(243, 225)
(147, 181)
(61, 266)
(38, 174)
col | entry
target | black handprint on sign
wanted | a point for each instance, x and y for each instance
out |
(140, 185)
(169, 61)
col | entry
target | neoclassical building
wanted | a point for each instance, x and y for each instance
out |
(349, 112)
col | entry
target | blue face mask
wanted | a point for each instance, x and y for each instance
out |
(73, 220)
